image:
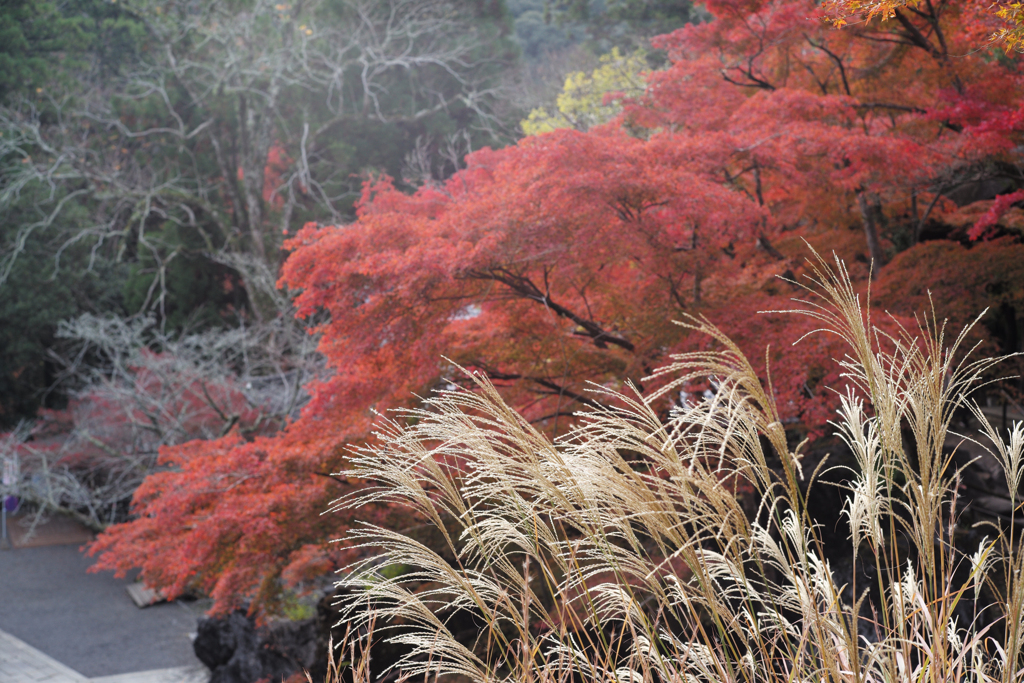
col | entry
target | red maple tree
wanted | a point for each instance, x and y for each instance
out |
(562, 260)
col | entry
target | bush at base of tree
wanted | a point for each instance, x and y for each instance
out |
(136, 389)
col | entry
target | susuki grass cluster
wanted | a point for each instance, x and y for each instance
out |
(622, 552)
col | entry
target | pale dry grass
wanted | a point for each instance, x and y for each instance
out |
(622, 553)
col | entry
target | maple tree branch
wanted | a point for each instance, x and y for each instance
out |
(873, 219)
(628, 212)
(762, 244)
(894, 41)
(956, 128)
(673, 289)
(886, 105)
(526, 288)
(822, 85)
(336, 479)
(558, 390)
(927, 212)
(933, 19)
(914, 35)
(757, 184)
(756, 82)
(559, 413)
(835, 58)
(554, 389)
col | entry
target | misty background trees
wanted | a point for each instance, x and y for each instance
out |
(153, 157)
(147, 145)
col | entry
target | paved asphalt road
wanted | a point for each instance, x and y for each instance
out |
(87, 621)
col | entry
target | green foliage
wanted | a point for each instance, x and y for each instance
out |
(637, 17)
(197, 293)
(536, 34)
(295, 608)
(47, 44)
(32, 36)
(37, 297)
(543, 27)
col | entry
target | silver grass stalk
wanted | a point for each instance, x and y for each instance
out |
(621, 551)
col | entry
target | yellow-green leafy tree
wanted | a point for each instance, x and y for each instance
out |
(588, 101)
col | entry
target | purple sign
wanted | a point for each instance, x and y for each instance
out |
(10, 503)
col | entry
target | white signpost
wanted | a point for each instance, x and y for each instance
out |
(10, 479)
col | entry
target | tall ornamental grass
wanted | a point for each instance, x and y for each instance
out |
(622, 552)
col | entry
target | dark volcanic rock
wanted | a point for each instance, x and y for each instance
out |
(236, 651)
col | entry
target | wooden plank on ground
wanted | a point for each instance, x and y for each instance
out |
(143, 596)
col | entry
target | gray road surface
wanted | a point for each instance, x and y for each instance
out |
(87, 621)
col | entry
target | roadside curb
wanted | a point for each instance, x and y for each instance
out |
(22, 663)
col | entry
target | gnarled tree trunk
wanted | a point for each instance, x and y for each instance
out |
(870, 206)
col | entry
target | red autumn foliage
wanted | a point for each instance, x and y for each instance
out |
(278, 162)
(1002, 204)
(562, 260)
